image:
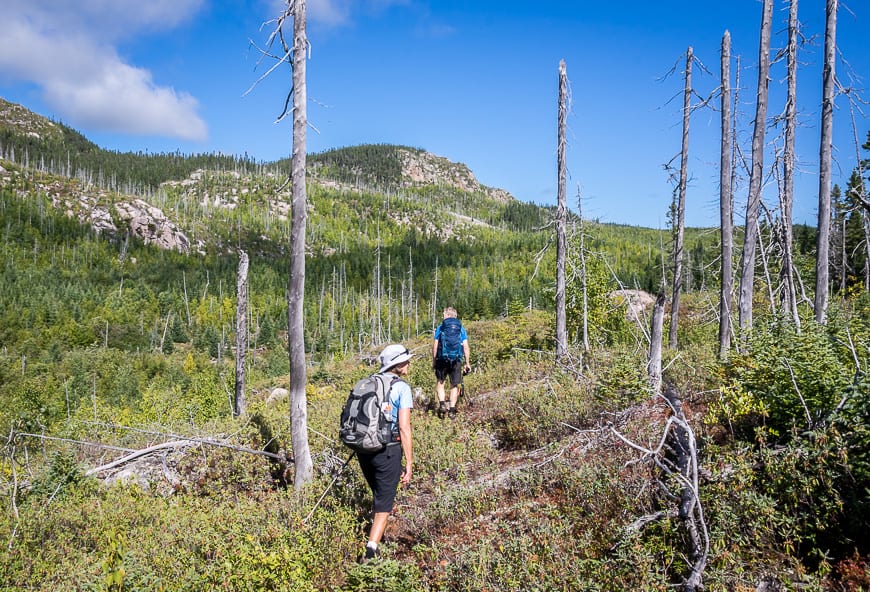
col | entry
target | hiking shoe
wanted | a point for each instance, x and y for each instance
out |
(452, 413)
(368, 555)
(442, 409)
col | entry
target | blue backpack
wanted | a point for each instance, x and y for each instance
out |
(450, 340)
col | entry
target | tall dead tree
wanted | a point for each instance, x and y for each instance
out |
(304, 472)
(820, 304)
(296, 290)
(561, 218)
(295, 55)
(858, 194)
(680, 214)
(726, 202)
(750, 236)
(241, 333)
(788, 159)
(654, 364)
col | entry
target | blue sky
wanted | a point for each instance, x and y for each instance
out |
(475, 82)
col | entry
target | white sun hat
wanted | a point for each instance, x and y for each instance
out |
(393, 355)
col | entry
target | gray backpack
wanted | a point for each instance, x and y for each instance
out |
(366, 422)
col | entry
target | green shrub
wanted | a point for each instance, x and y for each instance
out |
(799, 377)
(61, 473)
(535, 413)
(383, 575)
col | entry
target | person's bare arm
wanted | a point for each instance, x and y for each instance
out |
(407, 443)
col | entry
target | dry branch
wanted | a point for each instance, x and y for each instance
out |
(137, 454)
(174, 444)
(678, 439)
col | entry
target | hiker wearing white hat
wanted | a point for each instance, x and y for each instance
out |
(393, 355)
(383, 469)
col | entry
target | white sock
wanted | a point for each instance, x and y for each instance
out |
(372, 545)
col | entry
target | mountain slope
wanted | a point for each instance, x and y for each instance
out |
(394, 167)
(171, 186)
(16, 119)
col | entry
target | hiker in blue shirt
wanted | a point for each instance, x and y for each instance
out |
(383, 469)
(450, 357)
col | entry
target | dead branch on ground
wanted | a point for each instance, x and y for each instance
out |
(676, 455)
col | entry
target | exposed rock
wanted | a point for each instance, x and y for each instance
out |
(152, 474)
(28, 123)
(637, 302)
(152, 226)
(278, 395)
(101, 221)
(424, 168)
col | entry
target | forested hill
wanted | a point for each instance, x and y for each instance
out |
(388, 222)
(126, 467)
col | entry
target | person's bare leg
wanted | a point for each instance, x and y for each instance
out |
(379, 525)
(439, 390)
(454, 396)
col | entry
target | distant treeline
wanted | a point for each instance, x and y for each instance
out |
(72, 155)
(378, 165)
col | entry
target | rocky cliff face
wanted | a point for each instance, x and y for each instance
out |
(152, 226)
(424, 168)
(106, 213)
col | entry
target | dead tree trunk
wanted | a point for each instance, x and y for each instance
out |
(241, 333)
(788, 159)
(654, 366)
(561, 219)
(820, 304)
(726, 203)
(683, 446)
(677, 458)
(747, 260)
(295, 294)
(681, 205)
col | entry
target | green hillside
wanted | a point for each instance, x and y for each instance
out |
(117, 339)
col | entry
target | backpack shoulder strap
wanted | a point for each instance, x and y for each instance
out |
(382, 376)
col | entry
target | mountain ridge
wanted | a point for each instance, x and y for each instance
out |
(417, 167)
(101, 188)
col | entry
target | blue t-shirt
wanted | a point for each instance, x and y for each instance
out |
(400, 398)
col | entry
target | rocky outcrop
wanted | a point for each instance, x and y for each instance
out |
(424, 168)
(637, 302)
(152, 226)
(24, 121)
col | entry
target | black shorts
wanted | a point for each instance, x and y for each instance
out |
(382, 471)
(451, 368)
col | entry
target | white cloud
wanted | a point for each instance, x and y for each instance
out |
(102, 19)
(329, 12)
(67, 49)
(121, 98)
(339, 12)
